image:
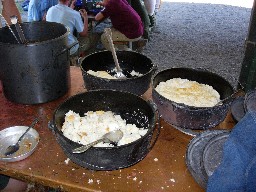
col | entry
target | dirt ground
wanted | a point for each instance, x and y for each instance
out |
(199, 35)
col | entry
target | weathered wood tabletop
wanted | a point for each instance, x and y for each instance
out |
(163, 169)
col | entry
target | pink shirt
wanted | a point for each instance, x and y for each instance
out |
(124, 18)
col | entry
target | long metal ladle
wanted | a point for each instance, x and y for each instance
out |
(119, 74)
(14, 21)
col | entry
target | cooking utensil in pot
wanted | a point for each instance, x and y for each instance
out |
(110, 137)
(9, 28)
(15, 147)
(229, 98)
(119, 74)
(14, 21)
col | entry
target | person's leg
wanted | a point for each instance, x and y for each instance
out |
(158, 5)
(116, 36)
(139, 7)
(8, 184)
(150, 6)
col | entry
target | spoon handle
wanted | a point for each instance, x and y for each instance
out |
(113, 51)
(31, 126)
(86, 147)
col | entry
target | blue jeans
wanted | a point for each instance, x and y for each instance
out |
(237, 171)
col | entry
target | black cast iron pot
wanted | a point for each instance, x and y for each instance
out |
(132, 108)
(37, 71)
(128, 61)
(188, 117)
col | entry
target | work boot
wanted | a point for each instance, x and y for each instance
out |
(152, 19)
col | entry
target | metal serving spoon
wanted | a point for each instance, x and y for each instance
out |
(119, 74)
(112, 136)
(15, 147)
(232, 96)
(14, 21)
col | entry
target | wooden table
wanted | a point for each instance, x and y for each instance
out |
(163, 169)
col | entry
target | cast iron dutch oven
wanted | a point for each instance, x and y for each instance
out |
(38, 70)
(130, 107)
(128, 61)
(188, 117)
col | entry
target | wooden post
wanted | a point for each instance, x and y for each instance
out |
(248, 71)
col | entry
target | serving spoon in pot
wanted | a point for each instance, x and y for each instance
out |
(110, 137)
(15, 147)
(14, 21)
(119, 74)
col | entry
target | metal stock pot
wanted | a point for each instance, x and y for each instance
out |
(37, 71)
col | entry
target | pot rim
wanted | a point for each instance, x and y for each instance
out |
(41, 42)
(182, 105)
(150, 128)
(154, 67)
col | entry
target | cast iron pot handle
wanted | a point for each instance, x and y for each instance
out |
(158, 125)
(66, 49)
(155, 68)
(80, 60)
(51, 126)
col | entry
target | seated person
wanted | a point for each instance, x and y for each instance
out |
(37, 9)
(126, 23)
(139, 7)
(151, 7)
(62, 13)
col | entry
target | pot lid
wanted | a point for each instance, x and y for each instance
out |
(250, 101)
(212, 154)
(194, 155)
(237, 108)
